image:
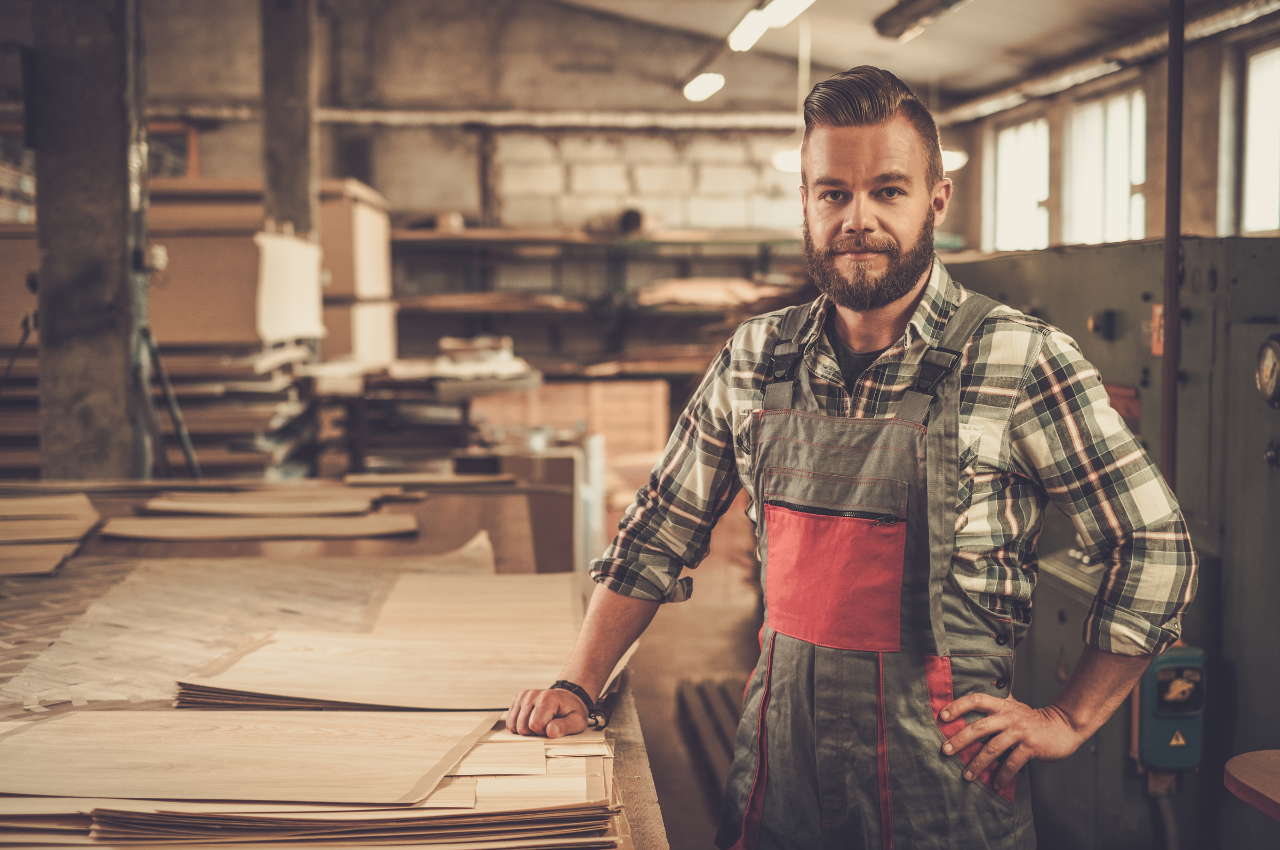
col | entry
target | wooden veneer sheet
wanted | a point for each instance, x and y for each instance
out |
(323, 670)
(260, 528)
(393, 758)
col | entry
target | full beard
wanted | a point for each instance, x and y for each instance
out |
(861, 290)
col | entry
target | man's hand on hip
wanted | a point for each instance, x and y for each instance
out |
(554, 713)
(1020, 732)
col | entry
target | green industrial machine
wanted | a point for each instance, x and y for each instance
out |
(1108, 299)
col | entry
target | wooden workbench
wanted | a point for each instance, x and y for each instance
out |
(183, 603)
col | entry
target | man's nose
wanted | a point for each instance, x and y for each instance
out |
(858, 217)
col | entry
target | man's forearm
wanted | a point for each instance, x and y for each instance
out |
(612, 624)
(1099, 683)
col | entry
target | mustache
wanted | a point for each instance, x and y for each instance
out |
(858, 244)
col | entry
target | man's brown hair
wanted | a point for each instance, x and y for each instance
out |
(866, 96)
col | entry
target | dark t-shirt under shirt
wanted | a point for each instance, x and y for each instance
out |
(852, 363)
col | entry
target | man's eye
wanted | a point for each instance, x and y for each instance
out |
(892, 192)
(833, 196)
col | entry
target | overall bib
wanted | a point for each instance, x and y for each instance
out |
(867, 634)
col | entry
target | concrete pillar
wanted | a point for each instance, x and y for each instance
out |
(290, 142)
(91, 170)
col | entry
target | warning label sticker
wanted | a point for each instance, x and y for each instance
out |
(1177, 740)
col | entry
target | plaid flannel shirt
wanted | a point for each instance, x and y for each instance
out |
(1035, 426)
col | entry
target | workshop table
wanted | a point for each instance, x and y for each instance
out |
(36, 611)
(1255, 778)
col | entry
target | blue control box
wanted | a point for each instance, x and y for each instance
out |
(1172, 710)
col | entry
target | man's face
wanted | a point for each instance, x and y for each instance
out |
(869, 213)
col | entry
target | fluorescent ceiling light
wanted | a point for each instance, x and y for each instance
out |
(954, 160)
(908, 18)
(703, 86)
(776, 15)
(748, 31)
(788, 161)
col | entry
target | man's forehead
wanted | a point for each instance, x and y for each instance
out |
(893, 147)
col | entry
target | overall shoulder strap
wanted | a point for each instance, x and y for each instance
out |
(938, 362)
(780, 380)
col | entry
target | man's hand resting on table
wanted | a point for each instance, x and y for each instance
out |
(554, 713)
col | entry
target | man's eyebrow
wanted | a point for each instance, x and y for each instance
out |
(829, 181)
(893, 177)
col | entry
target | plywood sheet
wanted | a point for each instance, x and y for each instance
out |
(20, 559)
(321, 504)
(418, 479)
(259, 528)
(33, 507)
(320, 757)
(453, 792)
(527, 758)
(46, 529)
(467, 606)
(369, 670)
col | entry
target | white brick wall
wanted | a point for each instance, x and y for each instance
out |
(715, 149)
(677, 180)
(605, 178)
(518, 179)
(727, 180)
(716, 213)
(525, 147)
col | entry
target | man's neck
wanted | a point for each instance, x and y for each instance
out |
(872, 330)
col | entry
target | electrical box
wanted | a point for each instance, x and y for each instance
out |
(1171, 710)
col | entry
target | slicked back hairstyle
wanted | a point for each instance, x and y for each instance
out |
(866, 96)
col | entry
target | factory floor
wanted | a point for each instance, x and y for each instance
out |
(711, 636)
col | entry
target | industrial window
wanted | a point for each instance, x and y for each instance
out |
(1261, 197)
(1106, 170)
(1022, 187)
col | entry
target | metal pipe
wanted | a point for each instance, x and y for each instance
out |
(1172, 248)
(1104, 62)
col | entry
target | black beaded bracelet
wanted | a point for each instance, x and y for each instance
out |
(577, 691)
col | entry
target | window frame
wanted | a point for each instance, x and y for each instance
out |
(1016, 117)
(1244, 52)
(1101, 96)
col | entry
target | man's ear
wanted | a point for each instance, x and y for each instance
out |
(941, 201)
(804, 200)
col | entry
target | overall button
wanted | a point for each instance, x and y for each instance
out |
(1001, 640)
(1001, 683)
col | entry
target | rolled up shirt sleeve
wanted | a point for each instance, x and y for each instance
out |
(668, 527)
(1065, 433)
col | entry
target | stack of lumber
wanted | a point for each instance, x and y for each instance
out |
(307, 513)
(440, 642)
(247, 412)
(40, 532)
(443, 779)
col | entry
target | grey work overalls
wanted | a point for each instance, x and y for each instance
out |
(867, 633)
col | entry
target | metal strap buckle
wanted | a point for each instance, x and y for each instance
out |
(935, 365)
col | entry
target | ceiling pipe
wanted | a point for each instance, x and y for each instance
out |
(1104, 62)
(908, 18)
(1172, 249)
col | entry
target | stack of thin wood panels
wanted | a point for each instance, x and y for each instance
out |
(439, 779)
(310, 513)
(440, 642)
(38, 533)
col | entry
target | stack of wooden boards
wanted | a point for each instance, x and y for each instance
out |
(246, 410)
(440, 642)
(40, 532)
(232, 777)
(439, 779)
(303, 513)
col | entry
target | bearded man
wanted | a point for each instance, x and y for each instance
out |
(900, 439)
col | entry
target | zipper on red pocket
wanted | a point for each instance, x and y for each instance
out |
(880, 517)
